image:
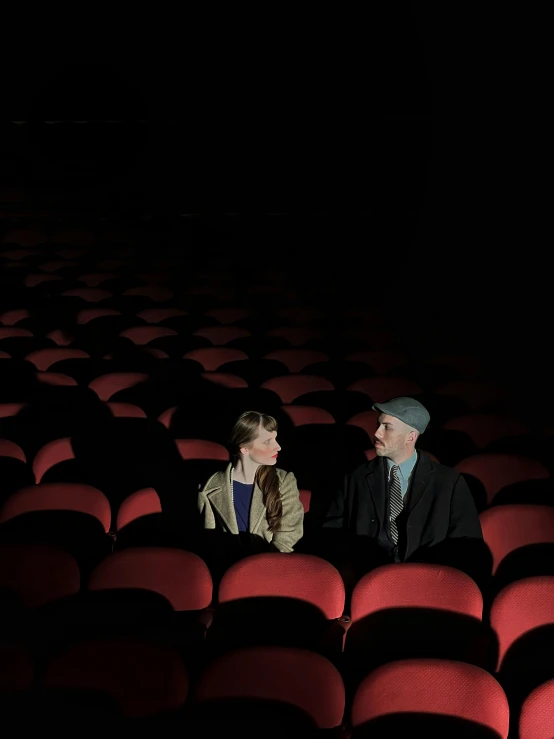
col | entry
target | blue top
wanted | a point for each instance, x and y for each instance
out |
(242, 494)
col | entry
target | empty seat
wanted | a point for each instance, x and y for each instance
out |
(498, 471)
(38, 573)
(296, 359)
(221, 335)
(521, 541)
(290, 387)
(487, 428)
(381, 389)
(522, 617)
(73, 516)
(180, 576)
(409, 610)
(142, 335)
(272, 675)
(107, 385)
(433, 697)
(143, 502)
(146, 680)
(291, 599)
(536, 719)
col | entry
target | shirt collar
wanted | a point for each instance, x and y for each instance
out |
(405, 468)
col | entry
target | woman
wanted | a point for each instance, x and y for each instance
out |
(252, 499)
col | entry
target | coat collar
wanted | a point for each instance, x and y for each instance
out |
(218, 491)
(376, 478)
(421, 476)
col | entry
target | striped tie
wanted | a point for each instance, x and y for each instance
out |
(396, 502)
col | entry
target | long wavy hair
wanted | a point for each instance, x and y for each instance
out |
(243, 433)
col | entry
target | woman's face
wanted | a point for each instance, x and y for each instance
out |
(264, 449)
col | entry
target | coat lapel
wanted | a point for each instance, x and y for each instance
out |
(257, 510)
(221, 499)
(421, 476)
(377, 489)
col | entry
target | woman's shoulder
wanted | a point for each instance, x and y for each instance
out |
(217, 480)
(282, 474)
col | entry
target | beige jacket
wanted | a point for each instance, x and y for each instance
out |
(217, 510)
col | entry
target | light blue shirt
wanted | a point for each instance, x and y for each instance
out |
(405, 469)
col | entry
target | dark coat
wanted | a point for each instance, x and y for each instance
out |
(438, 508)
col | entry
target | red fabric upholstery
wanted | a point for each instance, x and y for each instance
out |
(444, 687)
(180, 576)
(295, 676)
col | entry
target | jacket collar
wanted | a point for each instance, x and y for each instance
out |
(421, 476)
(376, 478)
(220, 496)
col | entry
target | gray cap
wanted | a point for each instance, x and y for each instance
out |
(408, 410)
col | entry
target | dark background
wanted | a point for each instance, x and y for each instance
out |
(402, 145)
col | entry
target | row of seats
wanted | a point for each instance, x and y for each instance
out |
(169, 352)
(272, 689)
(519, 537)
(41, 573)
(427, 616)
(506, 476)
(287, 688)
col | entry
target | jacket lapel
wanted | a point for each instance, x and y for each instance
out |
(221, 499)
(377, 489)
(421, 476)
(257, 510)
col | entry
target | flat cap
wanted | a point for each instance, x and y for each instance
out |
(409, 410)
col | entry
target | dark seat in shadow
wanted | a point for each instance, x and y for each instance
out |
(174, 527)
(471, 556)
(341, 404)
(245, 717)
(272, 621)
(53, 413)
(208, 411)
(17, 380)
(526, 561)
(122, 455)
(448, 445)
(64, 707)
(118, 614)
(81, 534)
(538, 492)
(14, 474)
(255, 370)
(428, 725)
(443, 407)
(14, 616)
(339, 371)
(528, 663)
(402, 633)
(258, 345)
(310, 451)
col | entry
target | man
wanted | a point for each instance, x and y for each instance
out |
(401, 506)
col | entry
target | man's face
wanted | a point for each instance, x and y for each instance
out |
(394, 439)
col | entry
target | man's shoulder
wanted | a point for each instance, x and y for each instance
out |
(444, 471)
(366, 468)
